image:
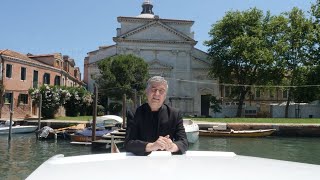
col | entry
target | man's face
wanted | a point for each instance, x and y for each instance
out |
(156, 94)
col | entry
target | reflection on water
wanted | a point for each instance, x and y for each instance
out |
(283, 148)
(24, 154)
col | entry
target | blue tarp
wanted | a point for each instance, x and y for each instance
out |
(88, 132)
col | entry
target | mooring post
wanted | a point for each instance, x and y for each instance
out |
(11, 115)
(39, 113)
(124, 111)
(94, 118)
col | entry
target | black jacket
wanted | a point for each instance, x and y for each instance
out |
(140, 130)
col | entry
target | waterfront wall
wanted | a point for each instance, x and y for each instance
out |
(291, 130)
(296, 111)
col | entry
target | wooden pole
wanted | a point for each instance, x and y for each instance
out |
(94, 113)
(134, 100)
(124, 110)
(11, 115)
(139, 101)
(39, 113)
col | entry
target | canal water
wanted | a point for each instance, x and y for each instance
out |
(24, 153)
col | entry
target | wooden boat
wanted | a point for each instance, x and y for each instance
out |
(86, 135)
(240, 133)
(47, 132)
(81, 138)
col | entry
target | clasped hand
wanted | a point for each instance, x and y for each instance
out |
(162, 143)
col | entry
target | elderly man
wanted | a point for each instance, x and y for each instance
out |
(156, 126)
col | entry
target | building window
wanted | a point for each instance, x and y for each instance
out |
(23, 73)
(9, 71)
(35, 79)
(227, 91)
(250, 112)
(7, 98)
(46, 78)
(57, 81)
(57, 63)
(271, 92)
(285, 94)
(258, 93)
(23, 98)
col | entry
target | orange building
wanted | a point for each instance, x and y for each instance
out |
(20, 72)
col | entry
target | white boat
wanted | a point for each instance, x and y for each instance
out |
(108, 121)
(192, 130)
(162, 165)
(17, 129)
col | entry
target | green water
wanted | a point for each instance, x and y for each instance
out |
(24, 154)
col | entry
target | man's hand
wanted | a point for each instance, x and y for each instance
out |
(172, 147)
(162, 143)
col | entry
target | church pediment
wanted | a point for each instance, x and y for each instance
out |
(199, 63)
(156, 64)
(205, 91)
(155, 31)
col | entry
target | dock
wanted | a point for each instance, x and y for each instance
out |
(118, 136)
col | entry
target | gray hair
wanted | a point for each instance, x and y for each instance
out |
(157, 79)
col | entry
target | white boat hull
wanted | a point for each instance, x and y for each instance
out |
(18, 129)
(190, 166)
(192, 130)
(192, 136)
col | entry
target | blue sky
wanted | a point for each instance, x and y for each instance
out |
(76, 27)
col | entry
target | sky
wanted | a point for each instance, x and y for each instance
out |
(76, 27)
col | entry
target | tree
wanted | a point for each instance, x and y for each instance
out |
(52, 98)
(240, 53)
(296, 41)
(309, 76)
(79, 100)
(215, 104)
(121, 74)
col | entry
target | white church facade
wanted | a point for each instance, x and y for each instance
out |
(167, 45)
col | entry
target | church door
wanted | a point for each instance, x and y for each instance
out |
(205, 105)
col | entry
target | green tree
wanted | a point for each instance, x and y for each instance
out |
(310, 91)
(296, 42)
(314, 73)
(52, 98)
(122, 74)
(215, 104)
(79, 99)
(240, 53)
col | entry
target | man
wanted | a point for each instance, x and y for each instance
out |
(155, 125)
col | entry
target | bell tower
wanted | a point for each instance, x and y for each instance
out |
(147, 7)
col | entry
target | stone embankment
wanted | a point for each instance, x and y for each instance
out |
(301, 130)
(55, 124)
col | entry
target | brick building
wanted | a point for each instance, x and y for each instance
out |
(20, 72)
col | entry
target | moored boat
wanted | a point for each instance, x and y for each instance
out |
(192, 130)
(86, 135)
(18, 129)
(108, 121)
(47, 132)
(240, 133)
